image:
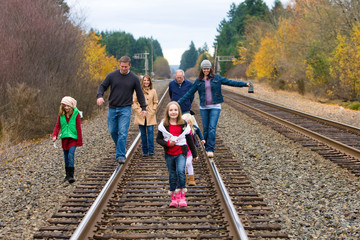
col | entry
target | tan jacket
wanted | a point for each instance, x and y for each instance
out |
(151, 100)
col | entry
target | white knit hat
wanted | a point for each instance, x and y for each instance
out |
(205, 64)
(69, 101)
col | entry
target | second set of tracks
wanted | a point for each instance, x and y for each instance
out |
(340, 143)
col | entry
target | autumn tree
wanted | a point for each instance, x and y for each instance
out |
(41, 51)
(43, 58)
(97, 62)
(161, 68)
(345, 65)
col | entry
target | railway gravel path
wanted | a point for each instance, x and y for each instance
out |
(314, 197)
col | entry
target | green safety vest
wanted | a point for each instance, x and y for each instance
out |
(68, 130)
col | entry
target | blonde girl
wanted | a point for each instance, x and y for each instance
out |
(69, 125)
(174, 136)
(190, 179)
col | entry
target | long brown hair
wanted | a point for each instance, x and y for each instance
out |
(62, 110)
(179, 120)
(202, 75)
(142, 82)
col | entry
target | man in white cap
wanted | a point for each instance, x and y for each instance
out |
(123, 83)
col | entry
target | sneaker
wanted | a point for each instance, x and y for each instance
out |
(210, 154)
(120, 161)
(151, 154)
(145, 155)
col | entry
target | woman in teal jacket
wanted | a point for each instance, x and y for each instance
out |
(208, 86)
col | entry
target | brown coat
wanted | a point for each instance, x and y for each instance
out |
(151, 100)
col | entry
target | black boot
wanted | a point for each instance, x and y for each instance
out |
(71, 175)
(67, 174)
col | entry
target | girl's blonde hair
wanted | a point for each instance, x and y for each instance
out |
(142, 82)
(179, 120)
(190, 120)
(62, 110)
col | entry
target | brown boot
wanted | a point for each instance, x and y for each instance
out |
(192, 180)
(186, 179)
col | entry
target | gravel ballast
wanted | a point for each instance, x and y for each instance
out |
(314, 198)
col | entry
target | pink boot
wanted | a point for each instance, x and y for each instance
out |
(174, 201)
(182, 201)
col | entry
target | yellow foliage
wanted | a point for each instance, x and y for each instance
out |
(97, 64)
(264, 62)
(243, 55)
(345, 63)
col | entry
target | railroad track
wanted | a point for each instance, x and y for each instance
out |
(220, 206)
(340, 143)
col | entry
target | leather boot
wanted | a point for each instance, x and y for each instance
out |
(182, 202)
(191, 180)
(174, 202)
(67, 174)
(71, 175)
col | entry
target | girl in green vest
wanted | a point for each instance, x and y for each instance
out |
(68, 126)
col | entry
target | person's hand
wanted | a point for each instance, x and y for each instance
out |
(196, 159)
(203, 141)
(248, 84)
(53, 138)
(100, 101)
(172, 143)
(143, 113)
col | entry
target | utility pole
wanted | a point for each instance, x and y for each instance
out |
(152, 59)
(222, 59)
(219, 59)
(143, 56)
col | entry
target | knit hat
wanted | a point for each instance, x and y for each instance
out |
(205, 64)
(69, 101)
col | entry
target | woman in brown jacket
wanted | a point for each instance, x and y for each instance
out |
(146, 125)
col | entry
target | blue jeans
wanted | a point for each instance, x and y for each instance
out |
(118, 125)
(176, 168)
(69, 157)
(147, 139)
(209, 118)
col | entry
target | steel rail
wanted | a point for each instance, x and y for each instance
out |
(83, 231)
(330, 142)
(344, 126)
(237, 226)
(239, 229)
(87, 223)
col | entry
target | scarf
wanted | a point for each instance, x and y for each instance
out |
(180, 140)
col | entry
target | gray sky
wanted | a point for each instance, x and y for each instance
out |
(173, 23)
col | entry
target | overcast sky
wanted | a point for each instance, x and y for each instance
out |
(173, 23)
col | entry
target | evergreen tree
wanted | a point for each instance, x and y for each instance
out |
(119, 44)
(233, 30)
(189, 57)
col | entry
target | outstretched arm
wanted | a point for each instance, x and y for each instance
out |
(233, 83)
(190, 93)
